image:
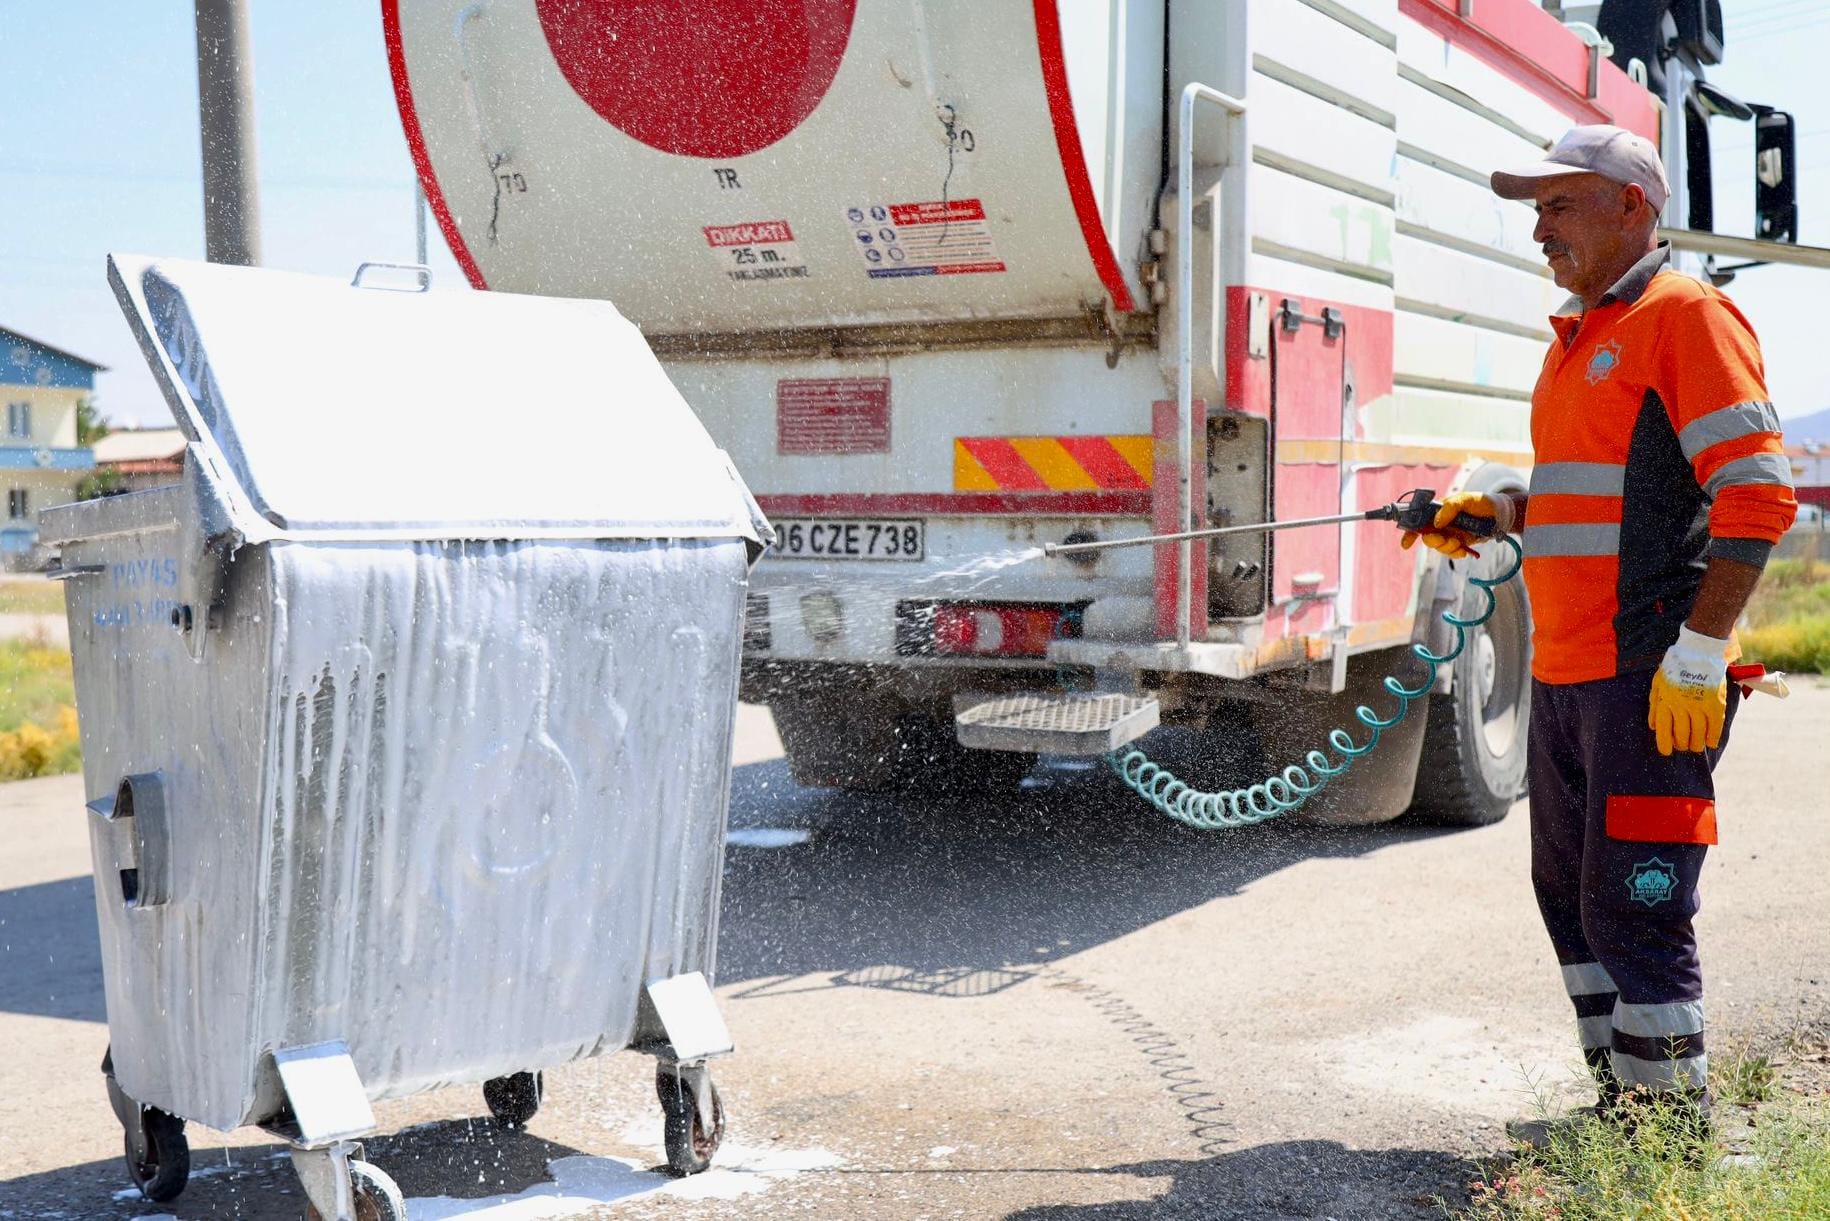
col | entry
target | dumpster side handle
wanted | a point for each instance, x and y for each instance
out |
(144, 859)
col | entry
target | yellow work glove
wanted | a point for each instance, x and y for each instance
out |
(1454, 543)
(1690, 694)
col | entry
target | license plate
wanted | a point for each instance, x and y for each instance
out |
(850, 538)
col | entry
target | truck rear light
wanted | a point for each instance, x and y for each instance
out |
(981, 630)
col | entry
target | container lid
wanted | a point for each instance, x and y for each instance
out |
(354, 408)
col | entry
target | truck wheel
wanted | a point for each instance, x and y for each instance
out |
(1473, 765)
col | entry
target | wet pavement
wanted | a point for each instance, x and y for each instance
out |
(1053, 1004)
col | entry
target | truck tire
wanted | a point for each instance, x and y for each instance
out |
(1473, 765)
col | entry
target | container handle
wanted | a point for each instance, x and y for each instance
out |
(421, 274)
(59, 572)
(138, 805)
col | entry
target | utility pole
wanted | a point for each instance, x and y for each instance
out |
(225, 117)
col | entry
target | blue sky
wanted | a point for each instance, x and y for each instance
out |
(100, 153)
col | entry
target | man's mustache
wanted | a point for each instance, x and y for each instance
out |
(1551, 248)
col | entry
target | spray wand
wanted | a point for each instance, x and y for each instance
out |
(1413, 511)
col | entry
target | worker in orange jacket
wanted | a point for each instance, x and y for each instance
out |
(1659, 487)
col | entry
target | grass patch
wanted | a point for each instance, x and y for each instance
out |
(31, 597)
(1788, 618)
(37, 711)
(1771, 1112)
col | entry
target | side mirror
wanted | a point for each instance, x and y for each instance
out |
(1775, 175)
(1699, 28)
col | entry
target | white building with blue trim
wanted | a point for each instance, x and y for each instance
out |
(40, 461)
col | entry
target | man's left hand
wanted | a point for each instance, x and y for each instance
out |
(1690, 694)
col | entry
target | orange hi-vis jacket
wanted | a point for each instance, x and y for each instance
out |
(1656, 448)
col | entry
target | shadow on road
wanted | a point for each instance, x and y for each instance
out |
(1286, 1181)
(955, 895)
(461, 1159)
(50, 951)
(960, 895)
(965, 895)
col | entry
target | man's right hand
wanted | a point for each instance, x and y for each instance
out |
(1457, 544)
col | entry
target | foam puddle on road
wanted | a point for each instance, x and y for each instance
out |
(583, 1182)
(766, 837)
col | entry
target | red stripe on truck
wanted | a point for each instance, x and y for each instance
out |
(957, 504)
(1525, 43)
(1073, 157)
(416, 144)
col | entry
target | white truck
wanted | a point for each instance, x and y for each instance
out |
(952, 279)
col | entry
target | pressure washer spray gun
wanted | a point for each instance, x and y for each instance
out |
(1414, 511)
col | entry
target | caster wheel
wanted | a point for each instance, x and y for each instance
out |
(378, 1197)
(692, 1138)
(161, 1172)
(514, 1099)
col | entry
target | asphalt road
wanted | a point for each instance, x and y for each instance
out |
(1058, 1006)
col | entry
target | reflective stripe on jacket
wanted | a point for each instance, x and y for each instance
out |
(1656, 448)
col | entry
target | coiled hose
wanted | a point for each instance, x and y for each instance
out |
(1290, 788)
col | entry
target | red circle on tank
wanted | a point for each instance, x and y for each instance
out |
(700, 78)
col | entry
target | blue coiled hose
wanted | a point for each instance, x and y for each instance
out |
(1294, 785)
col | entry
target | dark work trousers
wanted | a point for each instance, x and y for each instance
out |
(1618, 834)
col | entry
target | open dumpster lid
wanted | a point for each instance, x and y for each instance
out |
(353, 408)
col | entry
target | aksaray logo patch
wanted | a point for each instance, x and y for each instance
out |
(1651, 882)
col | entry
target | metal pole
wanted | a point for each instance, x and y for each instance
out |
(419, 221)
(1185, 325)
(1262, 527)
(225, 118)
(1747, 248)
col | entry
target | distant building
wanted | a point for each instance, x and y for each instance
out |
(142, 457)
(1811, 472)
(40, 461)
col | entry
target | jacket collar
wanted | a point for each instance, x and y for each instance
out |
(1630, 287)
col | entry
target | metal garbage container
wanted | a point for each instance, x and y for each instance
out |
(406, 714)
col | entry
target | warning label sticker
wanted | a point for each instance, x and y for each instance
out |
(757, 250)
(832, 415)
(940, 238)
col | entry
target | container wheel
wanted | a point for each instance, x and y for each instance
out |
(514, 1099)
(378, 1197)
(161, 1172)
(691, 1140)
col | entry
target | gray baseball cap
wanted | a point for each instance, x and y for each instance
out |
(1613, 152)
